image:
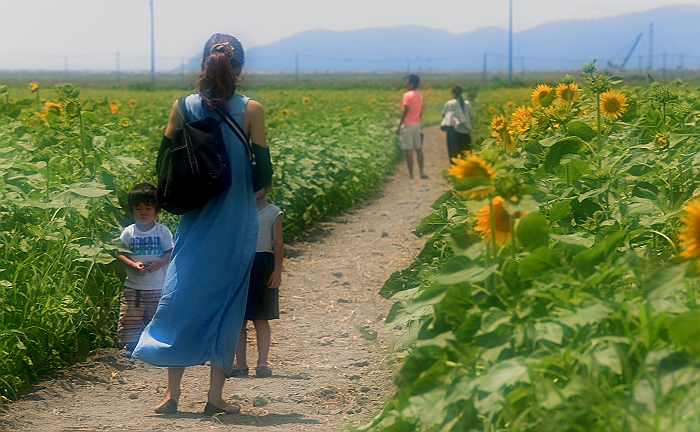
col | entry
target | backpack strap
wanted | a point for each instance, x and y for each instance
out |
(237, 130)
(182, 106)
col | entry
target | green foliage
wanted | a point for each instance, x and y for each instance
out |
(587, 319)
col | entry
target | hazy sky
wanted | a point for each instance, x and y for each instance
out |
(86, 34)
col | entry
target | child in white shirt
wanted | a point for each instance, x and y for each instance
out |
(150, 244)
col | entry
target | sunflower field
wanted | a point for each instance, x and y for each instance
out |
(558, 286)
(67, 160)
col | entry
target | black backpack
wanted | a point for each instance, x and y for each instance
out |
(193, 167)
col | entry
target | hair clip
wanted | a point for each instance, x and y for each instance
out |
(224, 47)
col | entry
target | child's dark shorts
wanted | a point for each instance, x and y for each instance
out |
(263, 302)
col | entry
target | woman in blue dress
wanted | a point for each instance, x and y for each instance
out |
(200, 313)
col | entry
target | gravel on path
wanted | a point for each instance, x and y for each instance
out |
(331, 356)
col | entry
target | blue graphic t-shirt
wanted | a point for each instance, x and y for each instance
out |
(146, 247)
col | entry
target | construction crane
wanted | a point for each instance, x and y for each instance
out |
(629, 54)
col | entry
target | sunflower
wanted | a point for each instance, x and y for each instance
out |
(690, 234)
(613, 104)
(117, 103)
(132, 103)
(52, 108)
(521, 119)
(491, 110)
(509, 104)
(498, 122)
(284, 112)
(347, 108)
(125, 122)
(661, 140)
(113, 109)
(33, 86)
(567, 92)
(501, 222)
(373, 102)
(540, 92)
(306, 100)
(71, 107)
(468, 165)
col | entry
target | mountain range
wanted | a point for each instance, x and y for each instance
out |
(672, 30)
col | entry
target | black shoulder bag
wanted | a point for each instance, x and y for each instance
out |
(258, 156)
(193, 167)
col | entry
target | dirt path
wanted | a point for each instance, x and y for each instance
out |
(326, 373)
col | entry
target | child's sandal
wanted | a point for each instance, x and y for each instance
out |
(239, 372)
(263, 371)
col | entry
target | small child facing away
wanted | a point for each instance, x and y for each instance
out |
(150, 244)
(263, 291)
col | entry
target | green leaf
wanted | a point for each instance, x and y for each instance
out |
(645, 190)
(665, 281)
(430, 407)
(685, 330)
(574, 239)
(435, 222)
(586, 260)
(610, 358)
(468, 272)
(524, 204)
(547, 100)
(91, 116)
(549, 331)
(471, 184)
(533, 231)
(589, 315)
(540, 261)
(492, 319)
(560, 210)
(505, 373)
(90, 191)
(581, 130)
(441, 341)
(561, 148)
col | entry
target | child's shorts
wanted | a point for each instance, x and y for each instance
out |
(263, 302)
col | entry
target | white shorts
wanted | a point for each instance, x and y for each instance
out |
(411, 137)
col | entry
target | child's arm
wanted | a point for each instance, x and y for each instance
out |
(160, 262)
(278, 251)
(127, 262)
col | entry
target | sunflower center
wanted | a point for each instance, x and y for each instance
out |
(612, 105)
(477, 171)
(502, 219)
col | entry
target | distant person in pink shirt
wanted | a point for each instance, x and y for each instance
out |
(409, 126)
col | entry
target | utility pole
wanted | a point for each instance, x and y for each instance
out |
(681, 65)
(664, 66)
(483, 72)
(640, 64)
(510, 44)
(153, 52)
(651, 46)
(119, 78)
(182, 68)
(296, 67)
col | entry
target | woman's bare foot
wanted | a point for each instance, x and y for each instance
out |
(169, 403)
(220, 406)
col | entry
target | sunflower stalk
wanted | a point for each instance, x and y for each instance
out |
(512, 235)
(82, 140)
(492, 222)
